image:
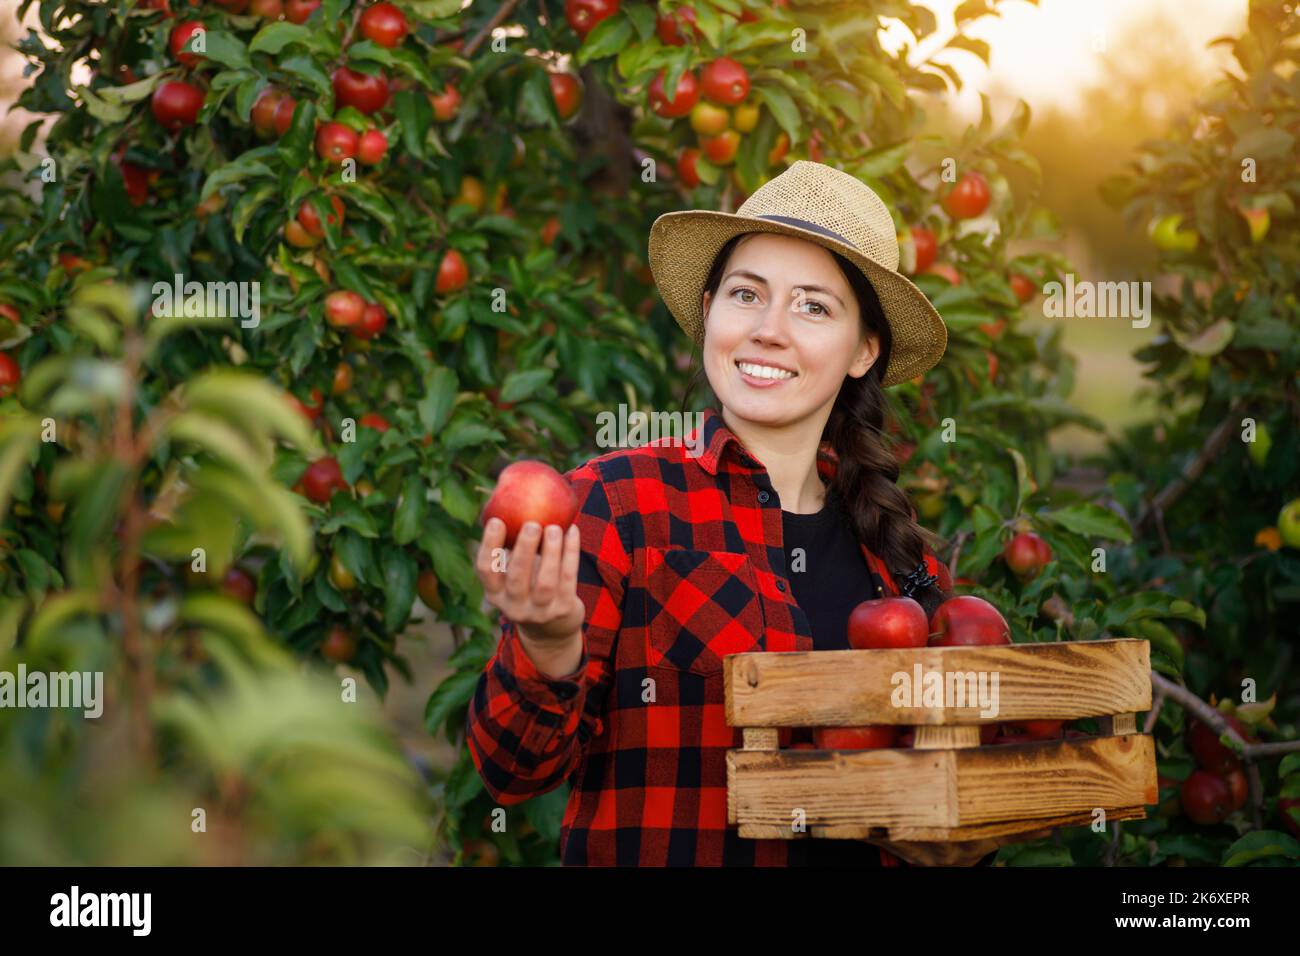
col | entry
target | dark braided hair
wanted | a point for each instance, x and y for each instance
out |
(865, 486)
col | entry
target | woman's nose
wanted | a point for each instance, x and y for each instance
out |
(771, 324)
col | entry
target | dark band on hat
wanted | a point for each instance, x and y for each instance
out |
(810, 226)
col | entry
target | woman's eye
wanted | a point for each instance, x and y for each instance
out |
(742, 292)
(814, 308)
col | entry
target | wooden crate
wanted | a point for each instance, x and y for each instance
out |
(947, 788)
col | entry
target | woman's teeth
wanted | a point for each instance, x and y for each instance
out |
(763, 371)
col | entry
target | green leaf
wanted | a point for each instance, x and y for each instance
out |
(437, 403)
(458, 502)
(452, 695)
(400, 572)
(414, 116)
(408, 516)
(249, 165)
(274, 37)
(295, 146)
(610, 35)
(1090, 520)
(226, 49)
(524, 384)
(784, 111)
(1260, 845)
(1133, 607)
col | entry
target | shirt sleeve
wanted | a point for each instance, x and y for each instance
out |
(526, 731)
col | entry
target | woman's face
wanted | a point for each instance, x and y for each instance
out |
(782, 331)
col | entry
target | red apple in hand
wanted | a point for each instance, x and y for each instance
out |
(871, 737)
(967, 620)
(888, 622)
(531, 491)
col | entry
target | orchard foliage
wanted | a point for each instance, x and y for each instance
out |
(445, 214)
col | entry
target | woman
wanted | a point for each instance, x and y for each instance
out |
(762, 536)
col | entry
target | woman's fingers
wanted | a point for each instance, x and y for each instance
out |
(548, 569)
(519, 573)
(569, 564)
(494, 536)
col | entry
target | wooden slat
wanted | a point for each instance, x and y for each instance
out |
(945, 738)
(909, 790)
(1064, 681)
(762, 738)
(985, 831)
(1118, 724)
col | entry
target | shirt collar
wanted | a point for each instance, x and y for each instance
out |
(720, 442)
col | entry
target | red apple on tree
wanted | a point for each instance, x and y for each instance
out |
(530, 491)
(335, 142)
(724, 81)
(1023, 287)
(179, 42)
(680, 103)
(383, 23)
(967, 620)
(299, 11)
(686, 170)
(310, 218)
(1026, 554)
(373, 321)
(968, 198)
(372, 147)
(668, 26)
(322, 478)
(343, 308)
(926, 246)
(453, 273)
(583, 15)
(176, 104)
(364, 91)
(721, 150)
(11, 375)
(445, 104)
(1206, 798)
(566, 89)
(1210, 754)
(239, 585)
(339, 646)
(888, 622)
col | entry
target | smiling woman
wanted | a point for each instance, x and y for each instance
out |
(761, 533)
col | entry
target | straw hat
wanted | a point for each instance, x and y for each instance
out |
(823, 205)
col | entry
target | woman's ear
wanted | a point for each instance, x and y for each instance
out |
(868, 352)
(704, 305)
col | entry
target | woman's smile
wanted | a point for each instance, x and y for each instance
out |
(763, 374)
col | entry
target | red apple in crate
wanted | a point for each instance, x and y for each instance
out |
(888, 622)
(871, 737)
(531, 491)
(966, 621)
(1037, 729)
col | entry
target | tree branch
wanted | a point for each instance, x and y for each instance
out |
(498, 18)
(1210, 450)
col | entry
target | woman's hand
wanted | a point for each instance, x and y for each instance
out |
(538, 593)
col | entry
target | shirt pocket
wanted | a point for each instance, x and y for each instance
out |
(700, 607)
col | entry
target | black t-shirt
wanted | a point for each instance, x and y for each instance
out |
(829, 577)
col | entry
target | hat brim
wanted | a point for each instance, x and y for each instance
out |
(684, 244)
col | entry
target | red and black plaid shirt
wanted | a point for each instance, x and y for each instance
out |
(682, 564)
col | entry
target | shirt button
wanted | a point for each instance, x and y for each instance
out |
(780, 585)
(762, 497)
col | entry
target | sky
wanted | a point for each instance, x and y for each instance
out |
(1046, 53)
